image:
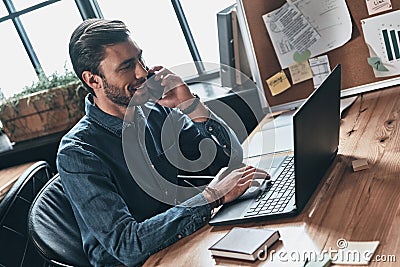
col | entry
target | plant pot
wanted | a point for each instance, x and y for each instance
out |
(43, 113)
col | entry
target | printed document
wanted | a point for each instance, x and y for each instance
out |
(309, 27)
(382, 36)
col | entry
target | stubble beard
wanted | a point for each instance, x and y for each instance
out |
(113, 93)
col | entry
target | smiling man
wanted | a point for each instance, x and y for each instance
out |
(116, 165)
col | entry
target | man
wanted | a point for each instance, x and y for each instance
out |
(119, 164)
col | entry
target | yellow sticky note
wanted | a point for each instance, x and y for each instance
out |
(278, 83)
(300, 72)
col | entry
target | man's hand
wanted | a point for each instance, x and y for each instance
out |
(175, 91)
(229, 185)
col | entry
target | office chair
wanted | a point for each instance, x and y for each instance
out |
(16, 249)
(53, 229)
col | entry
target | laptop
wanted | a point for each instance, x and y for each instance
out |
(316, 139)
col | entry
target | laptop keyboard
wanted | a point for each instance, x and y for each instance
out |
(277, 194)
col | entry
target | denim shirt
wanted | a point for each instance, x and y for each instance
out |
(111, 184)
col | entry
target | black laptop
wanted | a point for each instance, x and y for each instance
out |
(316, 139)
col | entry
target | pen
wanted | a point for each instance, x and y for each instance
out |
(196, 177)
(192, 185)
(280, 112)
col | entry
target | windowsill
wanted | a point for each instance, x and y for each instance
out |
(40, 148)
(209, 87)
(33, 143)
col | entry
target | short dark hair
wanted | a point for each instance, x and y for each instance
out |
(88, 42)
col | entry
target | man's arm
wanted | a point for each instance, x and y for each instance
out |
(177, 95)
(229, 151)
(101, 212)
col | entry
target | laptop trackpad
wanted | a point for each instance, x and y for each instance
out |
(251, 193)
(232, 210)
(254, 190)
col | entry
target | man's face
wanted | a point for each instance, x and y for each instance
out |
(124, 74)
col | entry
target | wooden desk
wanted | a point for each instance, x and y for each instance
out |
(9, 176)
(356, 206)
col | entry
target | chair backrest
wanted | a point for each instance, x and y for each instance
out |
(16, 248)
(53, 228)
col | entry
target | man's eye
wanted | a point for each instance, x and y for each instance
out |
(128, 66)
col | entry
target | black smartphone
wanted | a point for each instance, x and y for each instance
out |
(154, 87)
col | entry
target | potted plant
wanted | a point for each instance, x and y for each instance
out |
(53, 104)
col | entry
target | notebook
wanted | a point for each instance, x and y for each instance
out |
(316, 139)
(245, 243)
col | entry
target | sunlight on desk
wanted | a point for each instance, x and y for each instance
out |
(350, 206)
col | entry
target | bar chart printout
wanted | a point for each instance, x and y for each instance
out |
(391, 40)
(382, 36)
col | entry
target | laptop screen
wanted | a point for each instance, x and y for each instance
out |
(315, 149)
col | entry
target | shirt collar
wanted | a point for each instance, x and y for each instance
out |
(107, 121)
(112, 123)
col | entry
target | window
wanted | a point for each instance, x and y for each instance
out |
(3, 11)
(155, 29)
(47, 25)
(22, 4)
(47, 31)
(50, 36)
(15, 68)
(158, 32)
(202, 19)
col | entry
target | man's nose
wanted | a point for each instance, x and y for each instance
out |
(140, 71)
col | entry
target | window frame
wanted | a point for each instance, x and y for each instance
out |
(91, 9)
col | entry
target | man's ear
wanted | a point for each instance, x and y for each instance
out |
(94, 81)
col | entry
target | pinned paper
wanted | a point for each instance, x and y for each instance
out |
(278, 83)
(377, 64)
(320, 69)
(381, 36)
(300, 72)
(298, 25)
(376, 6)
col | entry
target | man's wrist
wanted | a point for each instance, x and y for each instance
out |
(192, 107)
(213, 197)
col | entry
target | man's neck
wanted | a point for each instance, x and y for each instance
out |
(112, 109)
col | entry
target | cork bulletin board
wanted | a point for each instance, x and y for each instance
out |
(352, 56)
